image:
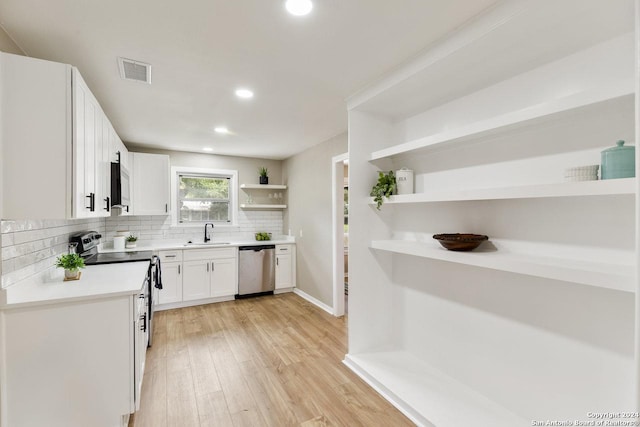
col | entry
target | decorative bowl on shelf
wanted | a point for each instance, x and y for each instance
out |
(460, 242)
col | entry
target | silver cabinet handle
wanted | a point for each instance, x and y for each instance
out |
(213, 266)
(207, 267)
(178, 269)
(277, 259)
(166, 207)
(170, 256)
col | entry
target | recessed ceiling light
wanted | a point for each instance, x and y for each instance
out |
(207, 149)
(221, 129)
(244, 93)
(298, 7)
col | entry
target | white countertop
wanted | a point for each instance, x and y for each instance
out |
(97, 281)
(107, 280)
(159, 245)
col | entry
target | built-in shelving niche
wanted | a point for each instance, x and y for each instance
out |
(541, 325)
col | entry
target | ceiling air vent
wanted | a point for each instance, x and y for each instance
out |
(134, 70)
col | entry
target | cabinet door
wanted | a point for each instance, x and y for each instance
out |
(87, 156)
(104, 167)
(99, 167)
(195, 282)
(151, 190)
(37, 138)
(284, 271)
(139, 347)
(171, 283)
(224, 280)
(83, 150)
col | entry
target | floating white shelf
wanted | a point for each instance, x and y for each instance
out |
(620, 277)
(534, 115)
(418, 388)
(563, 189)
(266, 206)
(263, 187)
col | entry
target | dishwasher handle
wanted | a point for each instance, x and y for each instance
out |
(257, 248)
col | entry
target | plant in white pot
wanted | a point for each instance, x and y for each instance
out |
(130, 241)
(72, 263)
(385, 187)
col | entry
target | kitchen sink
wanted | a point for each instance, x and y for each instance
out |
(207, 243)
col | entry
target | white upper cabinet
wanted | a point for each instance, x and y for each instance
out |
(90, 167)
(53, 138)
(151, 190)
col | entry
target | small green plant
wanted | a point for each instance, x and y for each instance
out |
(131, 238)
(263, 236)
(263, 172)
(72, 262)
(385, 187)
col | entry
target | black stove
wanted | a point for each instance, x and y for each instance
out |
(116, 257)
(87, 247)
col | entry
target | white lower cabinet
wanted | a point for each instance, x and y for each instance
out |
(139, 346)
(171, 283)
(210, 273)
(224, 280)
(197, 276)
(285, 266)
(74, 363)
(196, 280)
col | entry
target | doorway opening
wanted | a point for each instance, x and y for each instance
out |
(340, 192)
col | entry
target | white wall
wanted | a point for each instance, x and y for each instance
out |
(159, 227)
(8, 45)
(247, 167)
(308, 175)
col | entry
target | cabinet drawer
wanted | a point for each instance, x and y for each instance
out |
(170, 256)
(284, 249)
(199, 254)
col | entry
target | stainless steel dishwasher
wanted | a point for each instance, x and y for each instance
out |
(256, 270)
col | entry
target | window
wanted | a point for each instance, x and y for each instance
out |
(204, 196)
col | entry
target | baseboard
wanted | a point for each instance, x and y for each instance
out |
(282, 291)
(314, 301)
(390, 396)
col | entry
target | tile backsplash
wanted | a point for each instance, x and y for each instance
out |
(30, 247)
(148, 228)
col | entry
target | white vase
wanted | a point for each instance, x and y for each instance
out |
(130, 245)
(71, 274)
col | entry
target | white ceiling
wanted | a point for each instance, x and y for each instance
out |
(301, 68)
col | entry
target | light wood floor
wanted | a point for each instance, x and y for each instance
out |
(270, 361)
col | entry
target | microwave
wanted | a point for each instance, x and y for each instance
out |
(120, 187)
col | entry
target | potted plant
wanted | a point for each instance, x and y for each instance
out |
(72, 263)
(263, 172)
(385, 187)
(130, 241)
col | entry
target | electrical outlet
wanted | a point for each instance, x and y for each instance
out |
(301, 232)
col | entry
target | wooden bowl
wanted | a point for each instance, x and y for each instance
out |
(460, 242)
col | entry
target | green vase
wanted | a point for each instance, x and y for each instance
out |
(618, 162)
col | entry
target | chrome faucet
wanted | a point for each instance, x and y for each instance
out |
(206, 235)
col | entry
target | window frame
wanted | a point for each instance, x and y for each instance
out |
(176, 171)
